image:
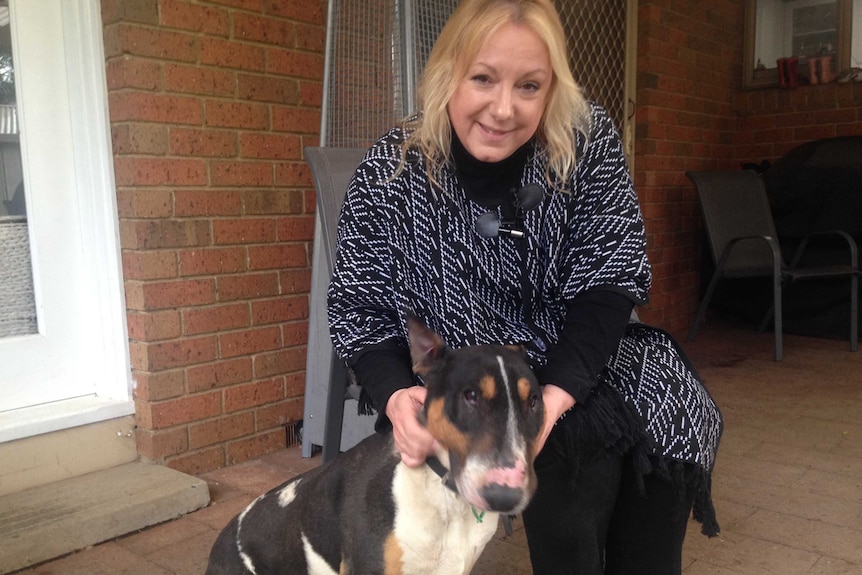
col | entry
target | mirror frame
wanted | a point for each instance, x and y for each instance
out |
(753, 78)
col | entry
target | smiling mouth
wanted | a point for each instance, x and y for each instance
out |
(491, 132)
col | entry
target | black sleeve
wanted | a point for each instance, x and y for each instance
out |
(595, 322)
(381, 371)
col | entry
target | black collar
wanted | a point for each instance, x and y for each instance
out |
(434, 463)
(441, 471)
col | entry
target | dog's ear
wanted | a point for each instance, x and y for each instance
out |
(426, 347)
(518, 348)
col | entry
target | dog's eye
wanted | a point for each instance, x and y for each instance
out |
(534, 401)
(471, 396)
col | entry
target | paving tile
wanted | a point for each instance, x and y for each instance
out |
(503, 558)
(775, 474)
(797, 500)
(702, 567)
(224, 491)
(251, 477)
(188, 557)
(832, 566)
(105, 559)
(850, 446)
(845, 487)
(696, 545)
(505, 554)
(217, 515)
(155, 538)
(291, 460)
(846, 410)
(797, 431)
(747, 554)
(736, 444)
(825, 461)
(804, 535)
(260, 475)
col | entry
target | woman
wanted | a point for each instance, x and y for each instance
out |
(443, 219)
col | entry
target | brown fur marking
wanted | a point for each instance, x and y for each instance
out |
(443, 429)
(488, 387)
(393, 562)
(524, 388)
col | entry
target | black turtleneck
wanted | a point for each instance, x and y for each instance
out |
(490, 184)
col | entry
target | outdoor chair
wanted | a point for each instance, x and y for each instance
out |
(325, 422)
(744, 244)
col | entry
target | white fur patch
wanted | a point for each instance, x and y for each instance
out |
(246, 560)
(436, 529)
(317, 565)
(287, 494)
(516, 443)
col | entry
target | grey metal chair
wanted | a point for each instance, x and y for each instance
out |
(744, 244)
(326, 422)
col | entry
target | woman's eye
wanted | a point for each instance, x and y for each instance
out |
(530, 87)
(481, 79)
(471, 396)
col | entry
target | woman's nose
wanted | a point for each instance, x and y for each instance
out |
(503, 106)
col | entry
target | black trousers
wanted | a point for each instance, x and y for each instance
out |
(602, 524)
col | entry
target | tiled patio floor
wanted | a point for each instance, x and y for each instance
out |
(787, 485)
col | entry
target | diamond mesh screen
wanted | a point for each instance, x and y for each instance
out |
(363, 96)
(596, 31)
(371, 82)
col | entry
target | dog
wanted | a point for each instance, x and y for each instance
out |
(367, 513)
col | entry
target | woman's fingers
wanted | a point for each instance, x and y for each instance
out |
(412, 439)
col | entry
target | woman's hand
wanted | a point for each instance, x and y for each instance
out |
(557, 402)
(412, 439)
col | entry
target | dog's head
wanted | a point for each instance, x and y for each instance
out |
(484, 406)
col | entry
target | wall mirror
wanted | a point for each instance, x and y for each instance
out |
(799, 42)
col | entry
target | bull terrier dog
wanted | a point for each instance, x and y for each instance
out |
(367, 513)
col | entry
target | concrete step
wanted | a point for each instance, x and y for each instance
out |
(49, 521)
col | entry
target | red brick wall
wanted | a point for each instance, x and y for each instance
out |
(773, 121)
(689, 68)
(211, 103)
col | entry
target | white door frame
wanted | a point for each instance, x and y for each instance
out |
(76, 370)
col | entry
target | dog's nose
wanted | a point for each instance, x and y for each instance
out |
(502, 498)
(512, 475)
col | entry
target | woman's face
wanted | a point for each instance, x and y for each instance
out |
(498, 104)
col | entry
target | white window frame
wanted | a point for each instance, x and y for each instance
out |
(82, 344)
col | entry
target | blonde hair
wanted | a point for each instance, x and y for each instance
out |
(462, 38)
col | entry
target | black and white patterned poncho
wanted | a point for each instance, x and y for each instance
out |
(405, 246)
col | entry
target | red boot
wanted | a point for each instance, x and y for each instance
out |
(812, 70)
(826, 74)
(782, 73)
(792, 72)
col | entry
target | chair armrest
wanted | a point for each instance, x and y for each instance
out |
(851, 243)
(770, 241)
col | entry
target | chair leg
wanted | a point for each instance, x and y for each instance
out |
(776, 298)
(334, 417)
(761, 327)
(701, 311)
(854, 312)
